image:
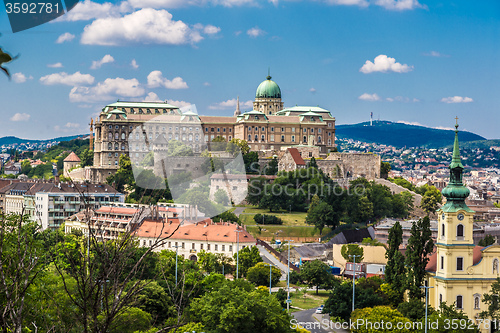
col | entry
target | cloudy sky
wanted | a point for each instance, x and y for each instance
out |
(416, 61)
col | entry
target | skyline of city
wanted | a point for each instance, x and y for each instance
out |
(411, 61)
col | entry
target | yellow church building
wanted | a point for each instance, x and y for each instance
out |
(460, 272)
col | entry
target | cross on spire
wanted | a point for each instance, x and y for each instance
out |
(456, 122)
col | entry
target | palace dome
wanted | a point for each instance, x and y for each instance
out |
(268, 89)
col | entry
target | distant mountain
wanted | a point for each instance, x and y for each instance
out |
(400, 135)
(9, 140)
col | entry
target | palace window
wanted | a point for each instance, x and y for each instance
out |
(224, 130)
(110, 146)
(460, 263)
(263, 129)
(282, 138)
(116, 146)
(459, 304)
(329, 124)
(116, 136)
(282, 129)
(319, 139)
(305, 139)
(272, 129)
(293, 138)
(293, 129)
(249, 128)
(312, 130)
(256, 137)
(319, 130)
(218, 129)
(123, 136)
(305, 130)
(460, 231)
(206, 129)
(262, 138)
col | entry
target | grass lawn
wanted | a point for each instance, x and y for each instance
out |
(293, 218)
(308, 300)
(290, 231)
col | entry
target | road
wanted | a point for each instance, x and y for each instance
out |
(238, 210)
(270, 259)
(316, 323)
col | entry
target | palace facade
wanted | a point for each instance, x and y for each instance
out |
(137, 128)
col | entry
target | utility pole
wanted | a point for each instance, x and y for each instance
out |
(270, 274)
(354, 277)
(426, 304)
(176, 251)
(237, 251)
(288, 279)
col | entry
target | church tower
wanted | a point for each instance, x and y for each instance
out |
(237, 112)
(455, 244)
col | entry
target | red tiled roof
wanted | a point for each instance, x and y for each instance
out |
(297, 158)
(202, 231)
(117, 210)
(72, 157)
(218, 119)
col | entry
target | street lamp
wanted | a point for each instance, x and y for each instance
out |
(426, 304)
(237, 251)
(270, 274)
(354, 277)
(176, 251)
(288, 279)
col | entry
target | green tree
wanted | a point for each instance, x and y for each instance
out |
(238, 307)
(420, 245)
(316, 273)
(259, 275)
(218, 144)
(349, 250)
(487, 240)
(321, 215)
(385, 167)
(256, 187)
(124, 176)
(272, 167)
(221, 197)
(429, 203)
(87, 158)
(226, 217)
(251, 161)
(213, 262)
(178, 148)
(312, 163)
(379, 314)
(248, 257)
(402, 204)
(395, 268)
(235, 146)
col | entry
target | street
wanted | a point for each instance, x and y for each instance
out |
(316, 323)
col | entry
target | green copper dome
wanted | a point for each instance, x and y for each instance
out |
(268, 89)
(456, 193)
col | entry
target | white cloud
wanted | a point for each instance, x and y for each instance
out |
(105, 60)
(445, 128)
(370, 98)
(402, 99)
(20, 77)
(400, 4)
(107, 90)
(313, 90)
(146, 26)
(156, 79)
(72, 125)
(65, 37)
(187, 3)
(152, 97)
(456, 99)
(255, 32)
(179, 104)
(134, 64)
(359, 3)
(414, 123)
(383, 63)
(238, 32)
(206, 84)
(211, 29)
(436, 54)
(76, 79)
(88, 10)
(230, 104)
(56, 65)
(20, 117)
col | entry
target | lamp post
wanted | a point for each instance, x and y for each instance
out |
(426, 304)
(176, 251)
(270, 274)
(354, 278)
(288, 279)
(237, 251)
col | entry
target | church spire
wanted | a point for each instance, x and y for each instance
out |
(456, 192)
(237, 112)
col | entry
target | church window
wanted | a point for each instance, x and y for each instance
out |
(460, 231)
(495, 266)
(442, 230)
(460, 263)
(477, 301)
(459, 304)
(440, 298)
(442, 262)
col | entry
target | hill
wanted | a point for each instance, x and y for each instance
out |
(400, 135)
(9, 140)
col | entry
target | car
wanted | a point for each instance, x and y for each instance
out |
(319, 310)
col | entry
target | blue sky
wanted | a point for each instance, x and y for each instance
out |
(415, 61)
